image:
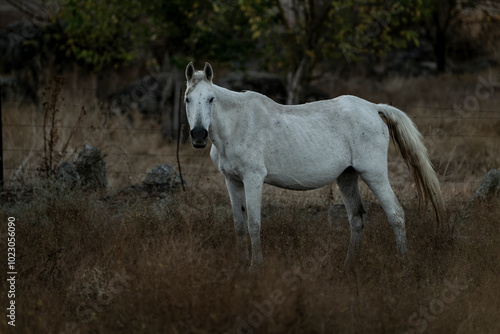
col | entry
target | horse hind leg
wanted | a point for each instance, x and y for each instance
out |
(378, 182)
(349, 190)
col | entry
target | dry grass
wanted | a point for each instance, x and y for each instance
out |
(106, 264)
(100, 262)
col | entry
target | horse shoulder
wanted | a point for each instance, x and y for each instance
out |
(214, 155)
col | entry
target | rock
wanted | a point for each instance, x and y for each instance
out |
(92, 168)
(162, 177)
(489, 186)
(67, 175)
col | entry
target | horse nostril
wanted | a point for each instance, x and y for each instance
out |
(199, 133)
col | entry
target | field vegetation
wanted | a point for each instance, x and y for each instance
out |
(105, 262)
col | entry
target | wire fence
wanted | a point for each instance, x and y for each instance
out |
(439, 129)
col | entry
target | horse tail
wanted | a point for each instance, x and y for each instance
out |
(409, 140)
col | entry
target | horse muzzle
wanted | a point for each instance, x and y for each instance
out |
(199, 137)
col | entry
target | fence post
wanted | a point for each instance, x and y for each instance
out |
(1, 136)
(179, 139)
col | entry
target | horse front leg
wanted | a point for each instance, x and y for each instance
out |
(237, 195)
(253, 194)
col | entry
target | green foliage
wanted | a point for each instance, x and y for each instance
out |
(101, 33)
(280, 34)
(296, 35)
(111, 33)
(211, 30)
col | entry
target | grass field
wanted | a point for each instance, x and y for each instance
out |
(104, 262)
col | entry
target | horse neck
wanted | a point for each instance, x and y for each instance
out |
(226, 116)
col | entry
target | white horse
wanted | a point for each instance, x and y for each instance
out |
(256, 140)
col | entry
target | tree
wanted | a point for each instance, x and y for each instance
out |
(297, 35)
(188, 30)
(442, 18)
(100, 34)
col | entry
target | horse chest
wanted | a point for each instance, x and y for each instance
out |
(235, 165)
(228, 166)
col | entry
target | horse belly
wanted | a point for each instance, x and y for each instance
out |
(287, 182)
(305, 176)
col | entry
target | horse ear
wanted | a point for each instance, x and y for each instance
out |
(209, 73)
(189, 71)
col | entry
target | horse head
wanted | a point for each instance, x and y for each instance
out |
(199, 99)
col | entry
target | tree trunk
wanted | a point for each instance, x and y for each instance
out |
(294, 83)
(440, 49)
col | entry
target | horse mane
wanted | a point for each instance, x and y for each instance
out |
(197, 77)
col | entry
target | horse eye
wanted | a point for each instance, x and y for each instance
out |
(211, 100)
(187, 100)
